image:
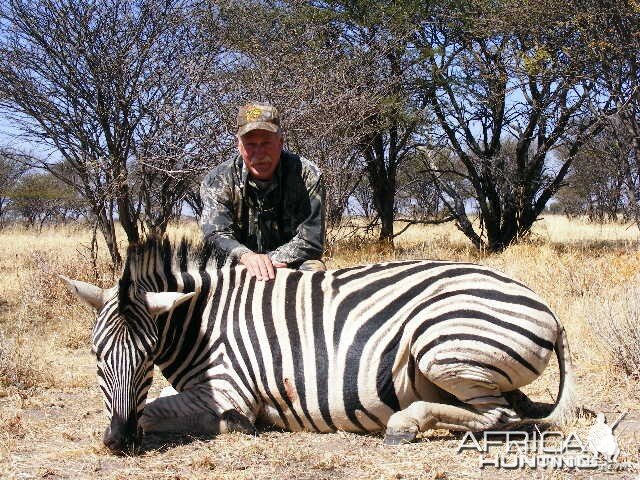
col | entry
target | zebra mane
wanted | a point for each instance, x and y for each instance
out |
(155, 256)
(145, 257)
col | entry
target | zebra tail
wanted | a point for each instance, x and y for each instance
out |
(564, 411)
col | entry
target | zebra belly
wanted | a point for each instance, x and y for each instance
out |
(369, 413)
(315, 422)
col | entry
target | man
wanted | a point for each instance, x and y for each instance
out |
(265, 208)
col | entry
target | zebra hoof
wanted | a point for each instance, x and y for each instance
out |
(236, 422)
(398, 437)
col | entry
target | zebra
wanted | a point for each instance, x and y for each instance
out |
(400, 346)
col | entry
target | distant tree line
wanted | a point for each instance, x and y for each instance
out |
(417, 112)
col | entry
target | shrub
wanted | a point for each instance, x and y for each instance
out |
(617, 324)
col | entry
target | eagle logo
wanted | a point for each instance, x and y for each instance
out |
(253, 114)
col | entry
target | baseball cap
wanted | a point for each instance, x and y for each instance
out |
(258, 116)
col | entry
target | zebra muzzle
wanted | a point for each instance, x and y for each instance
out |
(122, 436)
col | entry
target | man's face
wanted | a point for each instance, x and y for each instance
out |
(260, 150)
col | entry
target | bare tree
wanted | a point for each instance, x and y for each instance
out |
(619, 33)
(419, 198)
(110, 88)
(521, 72)
(627, 130)
(594, 186)
(376, 39)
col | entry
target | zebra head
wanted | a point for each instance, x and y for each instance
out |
(124, 340)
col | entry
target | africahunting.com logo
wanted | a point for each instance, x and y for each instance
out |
(546, 449)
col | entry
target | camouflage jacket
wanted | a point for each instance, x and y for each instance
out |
(283, 218)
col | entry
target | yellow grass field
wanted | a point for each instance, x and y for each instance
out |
(51, 412)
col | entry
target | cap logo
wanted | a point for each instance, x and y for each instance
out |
(253, 114)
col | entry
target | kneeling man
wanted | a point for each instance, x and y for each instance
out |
(265, 208)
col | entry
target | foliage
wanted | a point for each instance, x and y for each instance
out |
(41, 197)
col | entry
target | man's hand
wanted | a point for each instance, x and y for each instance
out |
(260, 265)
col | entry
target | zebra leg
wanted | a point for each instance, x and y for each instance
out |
(483, 406)
(403, 426)
(189, 412)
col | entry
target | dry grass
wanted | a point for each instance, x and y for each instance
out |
(51, 410)
(21, 366)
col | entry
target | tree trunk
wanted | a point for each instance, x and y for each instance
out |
(385, 210)
(383, 188)
(107, 228)
(334, 214)
(2, 212)
(127, 218)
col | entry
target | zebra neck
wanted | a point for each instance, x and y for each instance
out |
(191, 335)
(180, 330)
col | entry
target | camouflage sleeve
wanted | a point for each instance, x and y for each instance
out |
(218, 215)
(308, 243)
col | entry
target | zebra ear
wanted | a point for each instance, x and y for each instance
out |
(162, 302)
(90, 294)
